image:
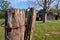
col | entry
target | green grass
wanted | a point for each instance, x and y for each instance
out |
(1, 30)
(43, 31)
(47, 31)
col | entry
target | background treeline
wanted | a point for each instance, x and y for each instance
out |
(3, 6)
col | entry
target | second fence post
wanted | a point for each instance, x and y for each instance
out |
(30, 24)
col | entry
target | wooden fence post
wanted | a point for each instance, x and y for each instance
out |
(30, 24)
(14, 24)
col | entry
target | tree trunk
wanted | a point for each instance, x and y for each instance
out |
(30, 24)
(14, 24)
(45, 12)
(45, 18)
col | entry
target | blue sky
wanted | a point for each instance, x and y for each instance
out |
(21, 3)
(17, 4)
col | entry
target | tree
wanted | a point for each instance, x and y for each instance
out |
(57, 8)
(45, 4)
(54, 11)
(3, 6)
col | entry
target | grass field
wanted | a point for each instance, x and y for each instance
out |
(43, 31)
(47, 31)
(1, 30)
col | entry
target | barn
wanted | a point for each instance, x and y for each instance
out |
(50, 15)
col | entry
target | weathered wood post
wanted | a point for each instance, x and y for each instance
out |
(14, 24)
(30, 24)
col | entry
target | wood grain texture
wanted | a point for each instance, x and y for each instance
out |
(30, 24)
(14, 24)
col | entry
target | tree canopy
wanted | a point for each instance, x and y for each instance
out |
(3, 6)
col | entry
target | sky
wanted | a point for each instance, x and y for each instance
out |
(22, 3)
(19, 3)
